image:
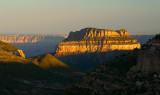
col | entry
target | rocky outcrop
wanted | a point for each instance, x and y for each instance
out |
(19, 53)
(148, 60)
(96, 40)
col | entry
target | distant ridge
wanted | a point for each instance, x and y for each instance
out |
(28, 38)
(143, 33)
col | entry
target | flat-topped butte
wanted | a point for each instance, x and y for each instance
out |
(96, 40)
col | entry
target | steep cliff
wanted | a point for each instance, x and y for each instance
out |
(96, 40)
(148, 59)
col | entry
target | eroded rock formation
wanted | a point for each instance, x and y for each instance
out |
(96, 40)
(148, 60)
(19, 53)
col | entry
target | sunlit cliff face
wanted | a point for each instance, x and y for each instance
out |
(21, 39)
(96, 40)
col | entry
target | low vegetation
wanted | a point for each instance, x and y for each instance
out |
(43, 75)
(106, 79)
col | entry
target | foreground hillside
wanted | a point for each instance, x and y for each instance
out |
(51, 63)
(28, 79)
(9, 53)
(43, 75)
(136, 73)
(107, 79)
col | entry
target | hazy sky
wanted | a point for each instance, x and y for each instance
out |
(63, 16)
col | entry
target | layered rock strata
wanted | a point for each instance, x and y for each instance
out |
(28, 38)
(96, 40)
(21, 39)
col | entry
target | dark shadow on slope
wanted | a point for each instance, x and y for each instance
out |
(88, 61)
(29, 79)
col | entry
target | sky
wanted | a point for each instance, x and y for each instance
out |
(63, 16)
